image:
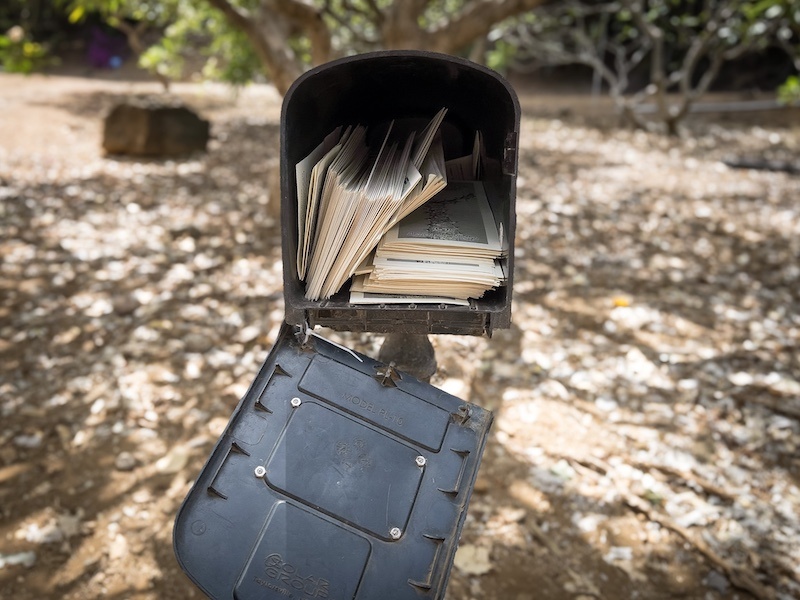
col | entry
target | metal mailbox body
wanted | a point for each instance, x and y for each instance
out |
(374, 88)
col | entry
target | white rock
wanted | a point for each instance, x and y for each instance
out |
(174, 461)
(29, 441)
(125, 461)
(473, 560)
(26, 559)
(618, 553)
(740, 378)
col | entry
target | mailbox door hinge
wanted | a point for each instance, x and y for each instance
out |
(510, 154)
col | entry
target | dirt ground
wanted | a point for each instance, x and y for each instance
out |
(647, 397)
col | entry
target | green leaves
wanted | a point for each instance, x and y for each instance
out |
(789, 92)
(77, 14)
(20, 54)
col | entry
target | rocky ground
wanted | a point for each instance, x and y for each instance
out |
(647, 397)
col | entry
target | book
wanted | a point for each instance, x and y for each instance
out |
(371, 298)
(382, 206)
(310, 173)
(458, 221)
(353, 194)
(451, 246)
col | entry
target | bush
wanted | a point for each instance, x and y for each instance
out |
(20, 54)
(789, 92)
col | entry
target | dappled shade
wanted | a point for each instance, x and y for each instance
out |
(646, 397)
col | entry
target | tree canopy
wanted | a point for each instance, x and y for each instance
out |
(664, 51)
(680, 45)
(284, 37)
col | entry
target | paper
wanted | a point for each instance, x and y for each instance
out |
(376, 207)
(307, 173)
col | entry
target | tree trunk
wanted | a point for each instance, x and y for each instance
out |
(303, 18)
(474, 21)
(269, 33)
(400, 27)
(134, 37)
(272, 46)
(273, 23)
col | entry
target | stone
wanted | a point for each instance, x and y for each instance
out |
(31, 441)
(26, 559)
(717, 581)
(125, 304)
(473, 560)
(147, 127)
(175, 460)
(197, 343)
(125, 461)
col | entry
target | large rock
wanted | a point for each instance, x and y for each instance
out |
(152, 128)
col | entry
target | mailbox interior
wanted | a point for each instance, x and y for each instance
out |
(375, 88)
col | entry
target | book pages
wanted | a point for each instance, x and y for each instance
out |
(458, 220)
(449, 247)
(309, 172)
(353, 195)
(366, 298)
(385, 209)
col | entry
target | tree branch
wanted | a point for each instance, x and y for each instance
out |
(656, 37)
(475, 20)
(400, 26)
(308, 19)
(269, 39)
(344, 23)
(134, 38)
(238, 16)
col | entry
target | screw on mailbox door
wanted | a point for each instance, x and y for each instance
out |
(295, 402)
(395, 532)
(260, 471)
(420, 460)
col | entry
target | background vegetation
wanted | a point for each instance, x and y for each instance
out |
(669, 52)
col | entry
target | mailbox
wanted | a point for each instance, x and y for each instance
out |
(374, 88)
(339, 476)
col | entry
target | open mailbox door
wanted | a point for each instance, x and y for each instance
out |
(337, 477)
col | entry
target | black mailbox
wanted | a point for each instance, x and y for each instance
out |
(339, 476)
(374, 88)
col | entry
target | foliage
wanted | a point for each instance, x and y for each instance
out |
(20, 54)
(789, 92)
(28, 30)
(151, 11)
(201, 42)
(193, 38)
(356, 25)
(285, 37)
(501, 55)
(672, 45)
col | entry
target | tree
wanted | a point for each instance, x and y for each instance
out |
(333, 27)
(133, 18)
(682, 44)
(22, 25)
(287, 36)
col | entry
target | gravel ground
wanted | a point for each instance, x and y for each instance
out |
(647, 396)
